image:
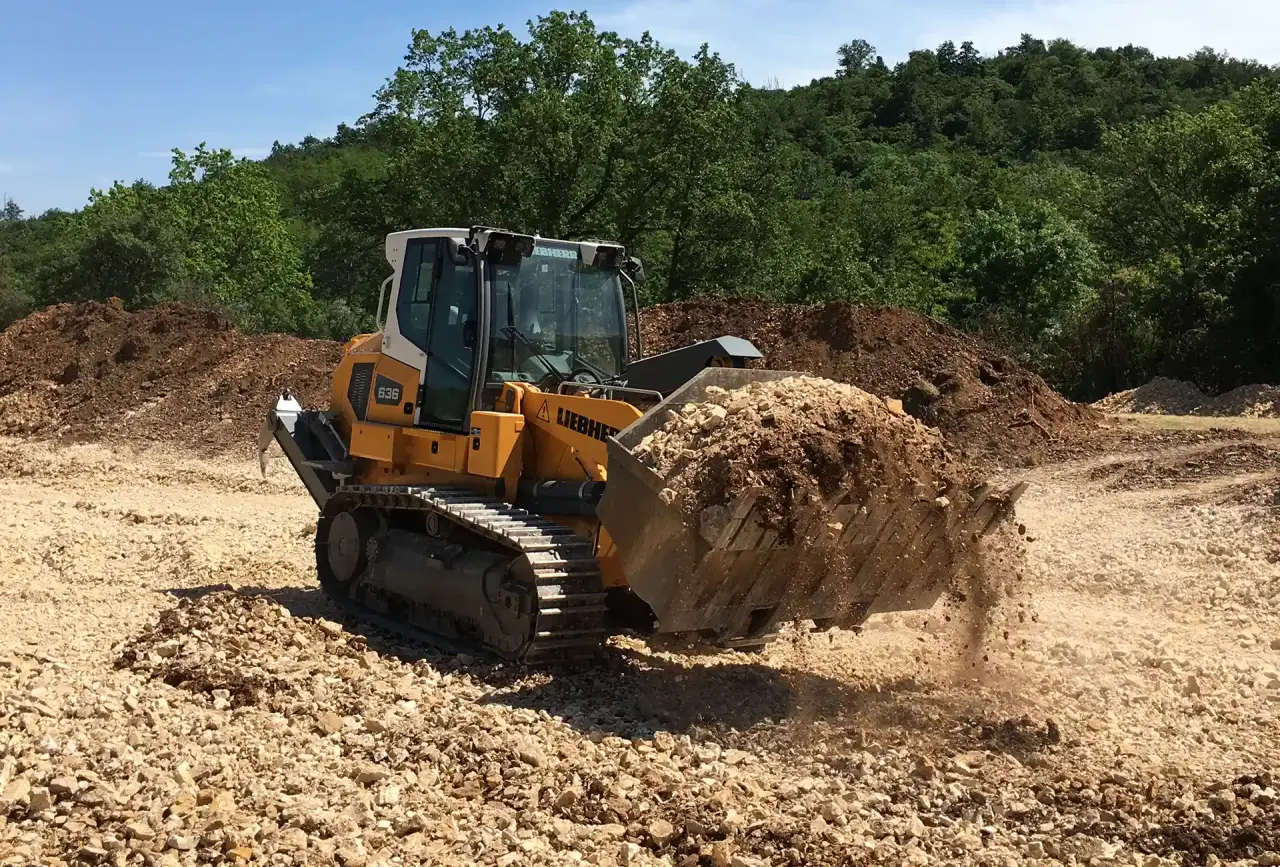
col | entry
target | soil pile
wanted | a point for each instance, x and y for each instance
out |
(1163, 396)
(169, 373)
(1160, 396)
(799, 440)
(827, 461)
(1251, 401)
(985, 404)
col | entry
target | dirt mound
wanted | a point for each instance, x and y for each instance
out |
(799, 439)
(986, 405)
(1163, 396)
(1250, 401)
(1171, 469)
(168, 373)
(1160, 396)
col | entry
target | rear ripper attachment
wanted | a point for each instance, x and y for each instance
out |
(444, 565)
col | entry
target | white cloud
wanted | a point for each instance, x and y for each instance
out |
(794, 41)
(1241, 28)
(767, 40)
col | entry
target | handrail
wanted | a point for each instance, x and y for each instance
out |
(635, 303)
(378, 318)
(602, 386)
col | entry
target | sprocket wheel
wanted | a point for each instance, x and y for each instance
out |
(342, 540)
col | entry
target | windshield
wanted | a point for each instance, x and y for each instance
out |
(551, 314)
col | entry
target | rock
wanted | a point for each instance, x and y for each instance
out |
(1269, 859)
(567, 798)
(1222, 801)
(714, 418)
(16, 794)
(1192, 686)
(181, 842)
(1034, 849)
(629, 854)
(63, 786)
(915, 828)
(745, 861)
(330, 723)
(832, 810)
(721, 854)
(369, 774)
(661, 831)
(292, 840)
(40, 800)
(139, 830)
(389, 796)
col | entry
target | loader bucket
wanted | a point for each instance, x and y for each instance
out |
(853, 556)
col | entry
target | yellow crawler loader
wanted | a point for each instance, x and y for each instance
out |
(477, 488)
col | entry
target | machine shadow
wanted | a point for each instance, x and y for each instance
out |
(736, 698)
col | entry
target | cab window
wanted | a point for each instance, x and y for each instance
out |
(418, 280)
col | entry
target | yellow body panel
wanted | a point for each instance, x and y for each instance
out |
(570, 433)
(495, 449)
(535, 434)
(402, 375)
(342, 380)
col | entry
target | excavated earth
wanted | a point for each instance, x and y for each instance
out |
(987, 407)
(1164, 396)
(169, 374)
(175, 690)
(800, 439)
(172, 373)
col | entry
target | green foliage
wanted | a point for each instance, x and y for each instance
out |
(1106, 215)
(1027, 264)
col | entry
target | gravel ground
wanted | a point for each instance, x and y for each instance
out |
(173, 690)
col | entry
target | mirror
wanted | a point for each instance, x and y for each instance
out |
(636, 269)
(459, 253)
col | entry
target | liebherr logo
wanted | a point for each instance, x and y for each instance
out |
(583, 425)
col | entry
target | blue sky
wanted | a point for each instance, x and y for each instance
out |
(97, 91)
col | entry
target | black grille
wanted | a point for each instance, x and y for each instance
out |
(358, 388)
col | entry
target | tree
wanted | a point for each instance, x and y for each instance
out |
(1029, 266)
(855, 56)
(236, 249)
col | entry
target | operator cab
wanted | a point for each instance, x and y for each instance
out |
(510, 307)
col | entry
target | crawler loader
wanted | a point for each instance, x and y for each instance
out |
(476, 483)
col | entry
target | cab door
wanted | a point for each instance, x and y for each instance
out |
(437, 311)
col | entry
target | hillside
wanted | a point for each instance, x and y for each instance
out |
(1106, 216)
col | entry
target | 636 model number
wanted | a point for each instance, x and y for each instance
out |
(387, 391)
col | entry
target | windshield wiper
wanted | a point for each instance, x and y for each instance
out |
(513, 332)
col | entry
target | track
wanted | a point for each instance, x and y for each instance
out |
(569, 619)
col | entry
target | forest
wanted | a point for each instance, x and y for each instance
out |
(1105, 215)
